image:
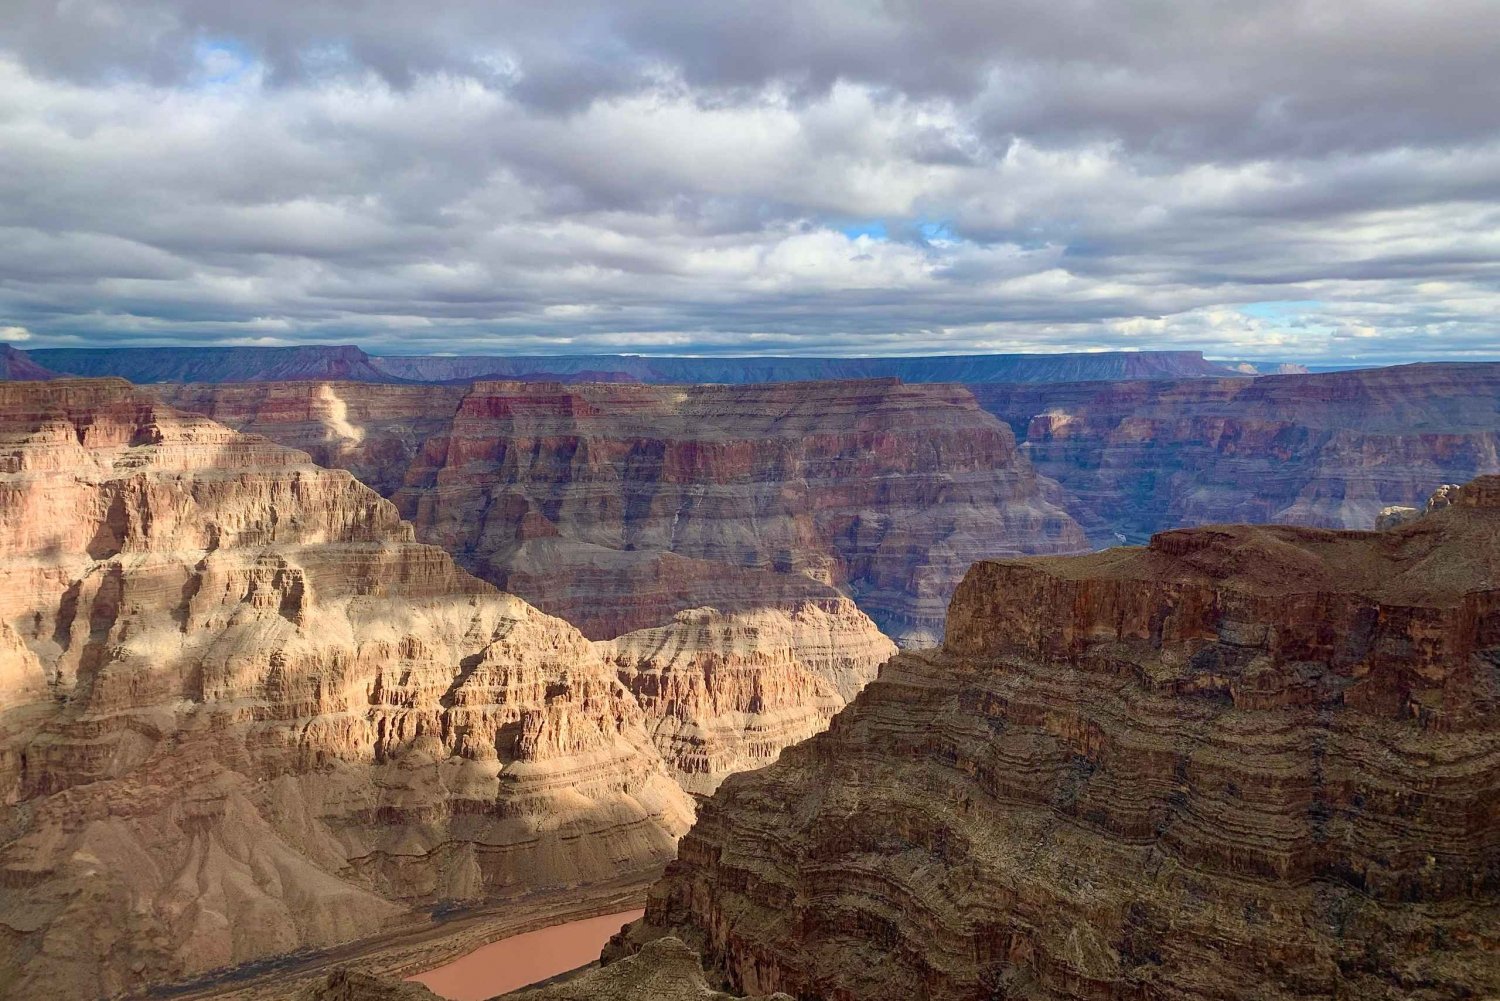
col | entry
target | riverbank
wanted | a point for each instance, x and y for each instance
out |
(416, 947)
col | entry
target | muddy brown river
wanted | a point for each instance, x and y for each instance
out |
(523, 959)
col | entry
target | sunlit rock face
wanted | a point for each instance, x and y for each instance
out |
(617, 506)
(1240, 762)
(1330, 450)
(243, 712)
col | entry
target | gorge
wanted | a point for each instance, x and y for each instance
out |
(245, 714)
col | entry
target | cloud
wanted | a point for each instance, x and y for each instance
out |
(797, 177)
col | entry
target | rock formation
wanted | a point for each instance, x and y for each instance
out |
(726, 692)
(243, 712)
(1330, 449)
(1240, 762)
(617, 506)
(242, 704)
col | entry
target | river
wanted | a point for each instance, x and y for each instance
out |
(523, 959)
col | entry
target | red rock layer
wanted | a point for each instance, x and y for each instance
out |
(617, 506)
(1329, 450)
(1238, 763)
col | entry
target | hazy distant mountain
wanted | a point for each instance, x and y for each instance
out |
(348, 362)
(143, 365)
(943, 368)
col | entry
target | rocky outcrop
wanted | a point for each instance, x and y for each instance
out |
(1239, 762)
(1330, 450)
(617, 506)
(726, 692)
(245, 713)
(17, 366)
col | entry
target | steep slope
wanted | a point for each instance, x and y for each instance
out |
(1258, 763)
(741, 371)
(17, 366)
(617, 506)
(1330, 449)
(243, 713)
(208, 364)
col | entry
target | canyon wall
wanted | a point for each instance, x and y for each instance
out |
(617, 506)
(244, 713)
(1239, 762)
(1330, 449)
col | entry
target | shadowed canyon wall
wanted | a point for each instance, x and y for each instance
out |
(1241, 762)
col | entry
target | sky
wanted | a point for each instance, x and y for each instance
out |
(1284, 180)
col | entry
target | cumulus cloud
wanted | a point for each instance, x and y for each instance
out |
(1278, 179)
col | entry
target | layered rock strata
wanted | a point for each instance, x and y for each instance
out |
(1329, 450)
(726, 692)
(1236, 763)
(244, 713)
(616, 506)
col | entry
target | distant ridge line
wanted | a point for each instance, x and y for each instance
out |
(348, 362)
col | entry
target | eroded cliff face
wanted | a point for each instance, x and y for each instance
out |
(617, 506)
(726, 692)
(1238, 763)
(1328, 450)
(243, 712)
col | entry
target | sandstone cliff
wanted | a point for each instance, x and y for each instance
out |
(243, 712)
(616, 506)
(726, 692)
(1257, 763)
(1329, 450)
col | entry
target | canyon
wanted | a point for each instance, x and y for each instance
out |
(1329, 449)
(617, 506)
(245, 714)
(1239, 762)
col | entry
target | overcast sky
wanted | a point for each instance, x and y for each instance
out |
(1263, 179)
